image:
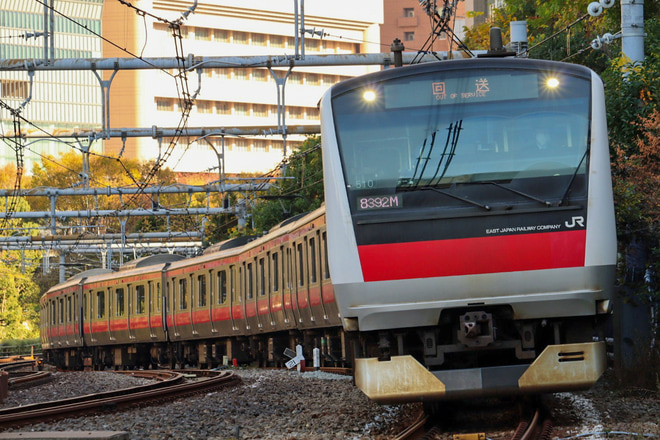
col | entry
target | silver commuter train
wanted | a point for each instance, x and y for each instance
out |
(471, 226)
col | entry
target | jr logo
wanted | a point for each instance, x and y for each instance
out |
(579, 221)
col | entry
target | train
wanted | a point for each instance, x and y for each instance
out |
(466, 248)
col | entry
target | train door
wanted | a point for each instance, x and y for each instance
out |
(193, 304)
(256, 291)
(246, 293)
(151, 302)
(316, 278)
(302, 282)
(291, 283)
(266, 286)
(277, 287)
(111, 311)
(131, 310)
(214, 297)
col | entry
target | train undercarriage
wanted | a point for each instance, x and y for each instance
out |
(255, 350)
(479, 353)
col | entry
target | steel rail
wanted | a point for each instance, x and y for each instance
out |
(170, 386)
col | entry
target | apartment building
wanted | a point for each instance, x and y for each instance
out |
(409, 21)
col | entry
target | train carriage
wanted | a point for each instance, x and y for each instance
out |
(471, 226)
(246, 299)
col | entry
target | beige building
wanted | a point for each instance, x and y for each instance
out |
(227, 97)
(230, 97)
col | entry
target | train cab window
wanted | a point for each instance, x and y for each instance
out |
(183, 294)
(100, 304)
(301, 265)
(326, 267)
(312, 260)
(201, 290)
(139, 299)
(249, 282)
(262, 277)
(120, 298)
(275, 271)
(222, 286)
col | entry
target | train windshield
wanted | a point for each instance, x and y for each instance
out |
(522, 133)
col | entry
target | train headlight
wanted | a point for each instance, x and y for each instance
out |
(369, 96)
(552, 82)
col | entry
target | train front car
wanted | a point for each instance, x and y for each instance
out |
(471, 227)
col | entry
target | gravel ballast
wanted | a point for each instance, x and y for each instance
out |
(277, 404)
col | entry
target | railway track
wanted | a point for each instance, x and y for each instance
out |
(168, 385)
(23, 379)
(534, 424)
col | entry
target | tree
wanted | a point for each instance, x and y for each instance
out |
(300, 191)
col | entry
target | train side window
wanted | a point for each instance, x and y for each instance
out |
(301, 265)
(61, 310)
(120, 299)
(312, 259)
(100, 304)
(222, 286)
(326, 266)
(262, 277)
(52, 312)
(85, 301)
(249, 284)
(275, 271)
(158, 297)
(69, 309)
(139, 299)
(183, 294)
(201, 290)
(232, 284)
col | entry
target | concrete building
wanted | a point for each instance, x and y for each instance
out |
(227, 97)
(408, 21)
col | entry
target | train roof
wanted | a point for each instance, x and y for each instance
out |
(150, 260)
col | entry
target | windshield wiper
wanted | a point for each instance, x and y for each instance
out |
(570, 183)
(520, 193)
(448, 153)
(454, 196)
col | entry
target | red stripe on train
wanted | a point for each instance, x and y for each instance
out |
(470, 256)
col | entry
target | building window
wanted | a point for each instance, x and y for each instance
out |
(258, 39)
(276, 41)
(222, 108)
(408, 12)
(164, 105)
(260, 75)
(204, 107)
(202, 34)
(240, 38)
(241, 145)
(408, 36)
(260, 110)
(221, 35)
(14, 89)
(240, 109)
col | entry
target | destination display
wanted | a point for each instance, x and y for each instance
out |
(449, 90)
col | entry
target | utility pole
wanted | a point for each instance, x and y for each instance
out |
(632, 30)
